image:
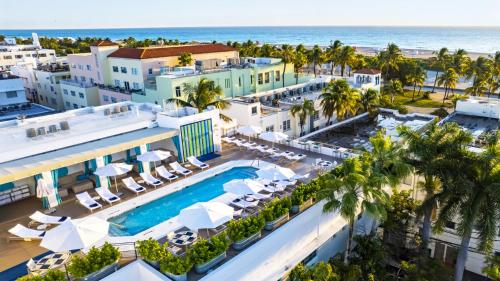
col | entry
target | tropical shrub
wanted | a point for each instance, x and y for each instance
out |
(319, 272)
(206, 250)
(304, 192)
(175, 265)
(51, 275)
(238, 230)
(427, 95)
(151, 250)
(492, 268)
(440, 112)
(402, 109)
(81, 266)
(276, 209)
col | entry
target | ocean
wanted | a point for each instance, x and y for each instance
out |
(472, 39)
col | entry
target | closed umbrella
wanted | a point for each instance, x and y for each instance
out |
(249, 131)
(273, 137)
(113, 170)
(205, 215)
(276, 173)
(154, 156)
(75, 234)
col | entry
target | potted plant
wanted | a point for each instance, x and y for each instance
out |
(245, 231)
(276, 213)
(51, 275)
(152, 252)
(304, 196)
(97, 264)
(205, 254)
(176, 268)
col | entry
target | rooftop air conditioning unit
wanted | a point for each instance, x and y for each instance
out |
(124, 108)
(116, 110)
(107, 112)
(52, 129)
(30, 133)
(41, 131)
(64, 125)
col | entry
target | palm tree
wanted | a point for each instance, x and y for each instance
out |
(426, 151)
(332, 54)
(316, 57)
(185, 59)
(345, 190)
(393, 88)
(370, 100)
(338, 97)
(201, 96)
(390, 59)
(287, 56)
(300, 49)
(299, 61)
(460, 61)
(494, 78)
(479, 87)
(478, 70)
(267, 50)
(302, 111)
(449, 80)
(416, 77)
(440, 63)
(345, 58)
(472, 197)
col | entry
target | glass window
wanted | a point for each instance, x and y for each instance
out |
(134, 71)
(150, 71)
(81, 95)
(260, 79)
(75, 106)
(251, 79)
(270, 128)
(123, 69)
(117, 83)
(178, 91)
(53, 101)
(73, 93)
(286, 125)
(105, 98)
(65, 92)
(227, 82)
(316, 115)
(267, 75)
(68, 105)
(254, 110)
(11, 94)
(278, 76)
(115, 68)
(113, 99)
(89, 68)
(239, 81)
(135, 85)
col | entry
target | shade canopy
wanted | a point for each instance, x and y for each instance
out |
(273, 136)
(205, 215)
(75, 234)
(243, 186)
(249, 130)
(276, 173)
(153, 156)
(113, 170)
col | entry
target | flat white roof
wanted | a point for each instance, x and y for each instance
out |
(137, 271)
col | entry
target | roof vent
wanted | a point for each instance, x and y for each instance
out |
(52, 129)
(30, 133)
(107, 112)
(124, 108)
(64, 125)
(41, 131)
(116, 110)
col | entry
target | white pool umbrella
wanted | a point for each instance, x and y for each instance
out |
(75, 234)
(276, 173)
(205, 215)
(243, 187)
(249, 131)
(113, 170)
(154, 156)
(273, 137)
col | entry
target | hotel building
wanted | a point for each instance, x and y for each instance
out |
(11, 54)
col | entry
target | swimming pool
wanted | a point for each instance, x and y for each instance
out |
(169, 206)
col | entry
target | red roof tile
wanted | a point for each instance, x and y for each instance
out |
(169, 51)
(103, 43)
(368, 71)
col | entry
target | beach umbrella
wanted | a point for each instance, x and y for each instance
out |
(75, 234)
(276, 173)
(273, 137)
(249, 131)
(113, 170)
(243, 187)
(205, 215)
(154, 156)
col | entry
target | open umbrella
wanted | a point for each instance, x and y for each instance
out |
(154, 156)
(75, 234)
(113, 170)
(273, 137)
(205, 215)
(249, 131)
(243, 186)
(276, 173)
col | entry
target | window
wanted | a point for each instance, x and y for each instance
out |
(277, 76)
(178, 91)
(65, 92)
(80, 67)
(117, 83)
(286, 125)
(81, 95)
(239, 81)
(75, 106)
(73, 93)
(105, 98)
(19, 56)
(53, 101)
(115, 68)
(92, 81)
(254, 110)
(7, 57)
(11, 94)
(251, 79)
(134, 71)
(42, 55)
(123, 69)
(316, 115)
(227, 82)
(135, 85)
(68, 105)
(83, 79)
(51, 88)
(260, 79)
(113, 99)
(89, 68)
(267, 75)
(270, 128)
(150, 71)
(450, 225)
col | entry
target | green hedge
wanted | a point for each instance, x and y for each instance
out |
(205, 250)
(276, 208)
(151, 250)
(238, 230)
(305, 192)
(51, 275)
(175, 265)
(95, 260)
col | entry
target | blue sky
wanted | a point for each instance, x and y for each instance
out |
(36, 14)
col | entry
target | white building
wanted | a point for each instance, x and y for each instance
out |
(48, 88)
(11, 54)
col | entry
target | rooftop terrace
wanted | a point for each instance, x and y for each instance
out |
(478, 126)
(26, 110)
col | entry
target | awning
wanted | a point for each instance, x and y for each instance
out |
(30, 166)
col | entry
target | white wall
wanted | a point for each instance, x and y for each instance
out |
(11, 86)
(479, 107)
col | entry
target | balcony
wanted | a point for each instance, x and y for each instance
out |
(122, 90)
(79, 84)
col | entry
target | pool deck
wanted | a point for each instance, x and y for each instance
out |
(15, 252)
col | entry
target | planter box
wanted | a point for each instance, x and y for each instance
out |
(154, 264)
(277, 222)
(204, 267)
(182, 277)
(242, 244)
(299, 208)
(100, 274)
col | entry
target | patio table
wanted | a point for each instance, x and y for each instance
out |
(51, 261)
(184, 238)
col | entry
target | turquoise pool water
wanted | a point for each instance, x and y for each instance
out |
(169, 206)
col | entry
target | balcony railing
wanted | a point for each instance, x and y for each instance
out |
(122, 90)
(77, 83)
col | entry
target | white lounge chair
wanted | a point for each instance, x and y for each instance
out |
(21, 232)
(85, 200)
(243, 204)
(228, 139)
(133, 186)
(179, 169)
(193, 160)
(149, 179)
(164, 173)
(46, 219)
(261, 196)
(296, 157)
(107, 195)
